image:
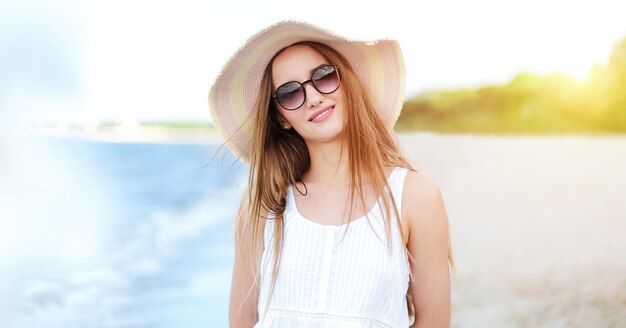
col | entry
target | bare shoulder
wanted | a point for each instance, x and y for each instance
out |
(419, 183)
(423, 206)
(244, 215)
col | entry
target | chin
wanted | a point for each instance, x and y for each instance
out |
(329, 136)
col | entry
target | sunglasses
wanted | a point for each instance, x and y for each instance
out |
(291, 95)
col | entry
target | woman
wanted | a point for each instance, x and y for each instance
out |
(336, 227)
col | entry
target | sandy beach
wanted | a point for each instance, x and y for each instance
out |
(537, 226)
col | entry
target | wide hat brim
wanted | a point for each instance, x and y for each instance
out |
(379, 65)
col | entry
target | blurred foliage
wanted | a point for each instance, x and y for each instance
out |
(555, 103)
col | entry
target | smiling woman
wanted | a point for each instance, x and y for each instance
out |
(312, 112)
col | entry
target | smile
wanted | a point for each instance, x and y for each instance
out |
(322, 114)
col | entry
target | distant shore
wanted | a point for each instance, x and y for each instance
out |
(136, 133)
(133, 134)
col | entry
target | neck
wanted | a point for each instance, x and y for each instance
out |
(329, 163)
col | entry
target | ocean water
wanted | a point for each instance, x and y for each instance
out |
(100, 234)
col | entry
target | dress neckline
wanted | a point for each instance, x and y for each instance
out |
(375, 207)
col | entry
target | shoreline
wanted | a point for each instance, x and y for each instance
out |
(157, 135)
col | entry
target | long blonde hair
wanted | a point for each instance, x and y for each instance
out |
(280, 158)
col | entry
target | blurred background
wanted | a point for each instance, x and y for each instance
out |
(114, 212)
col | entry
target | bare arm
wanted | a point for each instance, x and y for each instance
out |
(424, 211)
(244, 294)
(240, 313)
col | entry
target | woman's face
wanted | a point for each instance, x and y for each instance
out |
(321, 118)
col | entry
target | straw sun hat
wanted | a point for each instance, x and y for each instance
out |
(378, 64)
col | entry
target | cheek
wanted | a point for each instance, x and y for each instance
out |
(289, 116)
(344, 108)
(340, 95)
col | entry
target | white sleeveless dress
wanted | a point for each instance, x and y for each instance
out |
(323, 282)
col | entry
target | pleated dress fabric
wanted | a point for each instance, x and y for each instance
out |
(324, 281)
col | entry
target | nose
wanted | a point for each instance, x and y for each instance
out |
(313, 97)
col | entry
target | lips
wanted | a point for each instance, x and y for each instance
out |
(321, 114)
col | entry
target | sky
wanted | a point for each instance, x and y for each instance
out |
(155, 60)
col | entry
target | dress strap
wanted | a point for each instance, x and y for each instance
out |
(396, 183)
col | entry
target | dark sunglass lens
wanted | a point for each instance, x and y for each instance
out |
(325, 79)
(290, 95)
